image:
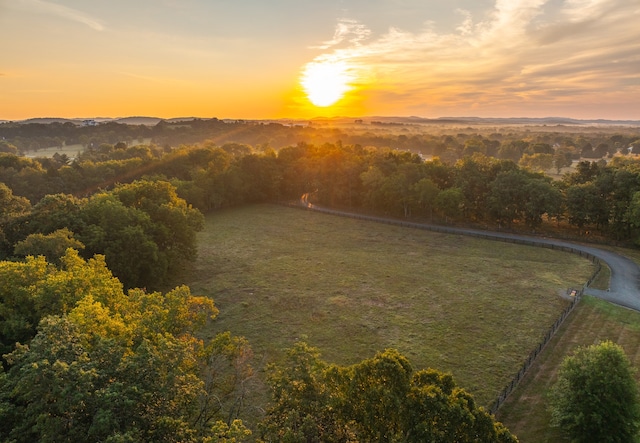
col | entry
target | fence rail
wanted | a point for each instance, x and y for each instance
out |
(508, 389)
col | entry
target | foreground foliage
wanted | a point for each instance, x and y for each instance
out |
(103, 365)
(379, 399)
(596, 396)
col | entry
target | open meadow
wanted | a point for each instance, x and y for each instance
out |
(593, 320)
(472, 307)
(72, 151)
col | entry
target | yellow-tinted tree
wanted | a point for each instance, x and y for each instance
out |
(110, 366)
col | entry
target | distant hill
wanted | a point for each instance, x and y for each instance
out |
(152, 121)
(147, 121)
(48, 120)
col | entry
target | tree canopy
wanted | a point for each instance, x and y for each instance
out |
(596, 396)
(145, 231)
(382, 399)
(91, 363)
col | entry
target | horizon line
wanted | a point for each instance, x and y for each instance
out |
(320, 117)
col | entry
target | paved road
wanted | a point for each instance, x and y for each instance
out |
(624, 286)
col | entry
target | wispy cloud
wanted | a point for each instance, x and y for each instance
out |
(522, 51)
(55, 9)
(349, 31)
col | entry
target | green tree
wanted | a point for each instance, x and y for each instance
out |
(398, 191)
(373, 394)
(562, 159)
(426, 193)
(621, 186)
(7, 147)
(449, 203)
(473, 146)
(12, 208)
(372, 180)
(53, 246)
(596, 396)
(53, 212)
(474, 176)
(11, 205)
(381, 399)
(439, 411)
(512, 150)
(19, 314)
(507, 197)
(634, 214)
(585, 172)
(300, 409)
(537, 162)
(586, 205)
(33, 289)
(542, 198)
(176, 222)
(125, 236)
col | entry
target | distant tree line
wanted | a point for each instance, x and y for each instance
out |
(450, 144)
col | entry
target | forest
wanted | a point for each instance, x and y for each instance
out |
(101, 341)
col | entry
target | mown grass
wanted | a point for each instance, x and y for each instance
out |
(525, 411)
(471, 307)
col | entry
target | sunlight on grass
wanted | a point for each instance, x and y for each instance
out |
(472, 307)
(525, 411)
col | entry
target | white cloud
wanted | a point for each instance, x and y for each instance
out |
(55, 9)
(579, 10)
(347, 31)
(522, 52)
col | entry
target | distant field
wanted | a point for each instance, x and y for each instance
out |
(72, 151)
(593, 320)
(471, 307)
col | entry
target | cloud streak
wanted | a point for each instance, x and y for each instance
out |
(523, 52)
(65, 12)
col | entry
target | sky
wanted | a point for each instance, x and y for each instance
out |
(259, 59)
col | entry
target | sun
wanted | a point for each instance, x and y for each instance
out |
(325, 82)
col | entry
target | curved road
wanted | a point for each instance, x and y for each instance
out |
(624, 286)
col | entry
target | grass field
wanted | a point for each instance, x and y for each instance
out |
(471, 307)
(525, 412)
(72, 151)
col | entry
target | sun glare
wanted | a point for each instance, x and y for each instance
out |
(325, 82)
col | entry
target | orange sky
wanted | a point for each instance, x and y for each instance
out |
(246, 59)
